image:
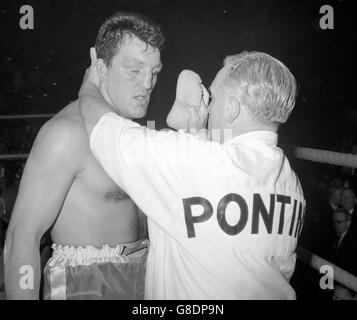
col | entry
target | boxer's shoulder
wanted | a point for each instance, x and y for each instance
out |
(63, 136)
(67, 126)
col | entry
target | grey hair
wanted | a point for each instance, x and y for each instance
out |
(264, 84)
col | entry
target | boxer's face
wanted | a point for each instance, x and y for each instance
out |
(132, 76)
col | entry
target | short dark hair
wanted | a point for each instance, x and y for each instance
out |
(332, 190)
(122, 24)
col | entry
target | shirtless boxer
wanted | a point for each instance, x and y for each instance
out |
(95, 225)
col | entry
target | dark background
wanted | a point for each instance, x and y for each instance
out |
(41, 69)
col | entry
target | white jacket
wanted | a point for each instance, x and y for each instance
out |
(223, 218)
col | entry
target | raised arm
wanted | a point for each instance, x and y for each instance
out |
(91, 103)
(46, 179)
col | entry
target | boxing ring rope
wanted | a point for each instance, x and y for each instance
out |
(13, 156)
(323, 156)
(26, 116)
(17, 117)
(316, 155)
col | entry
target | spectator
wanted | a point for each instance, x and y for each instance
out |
(348, 199)
(341, 221)
(334, 197)
(343, 251)
(321, 231)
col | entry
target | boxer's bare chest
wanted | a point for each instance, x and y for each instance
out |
(91, 179)
(96, 181)
(95, 209)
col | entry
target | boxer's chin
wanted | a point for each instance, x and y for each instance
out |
(140, 111)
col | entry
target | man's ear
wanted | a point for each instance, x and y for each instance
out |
(102, 70)
(233, 108)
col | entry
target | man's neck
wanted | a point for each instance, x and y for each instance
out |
(105, 94)
(240, 130)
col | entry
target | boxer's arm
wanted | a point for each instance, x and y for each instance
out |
(46, 179)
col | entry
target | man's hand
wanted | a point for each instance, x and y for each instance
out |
(190, 107)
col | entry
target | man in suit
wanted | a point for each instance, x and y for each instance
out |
(348, 198)
(343, 254)
(321, 232)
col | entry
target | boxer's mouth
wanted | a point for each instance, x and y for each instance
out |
(141, 98)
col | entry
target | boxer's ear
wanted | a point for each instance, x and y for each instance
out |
(102, 70)
(232, 109)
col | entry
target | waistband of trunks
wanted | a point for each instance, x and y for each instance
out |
(73, 256)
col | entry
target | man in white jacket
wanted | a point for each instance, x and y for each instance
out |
(224, 216)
